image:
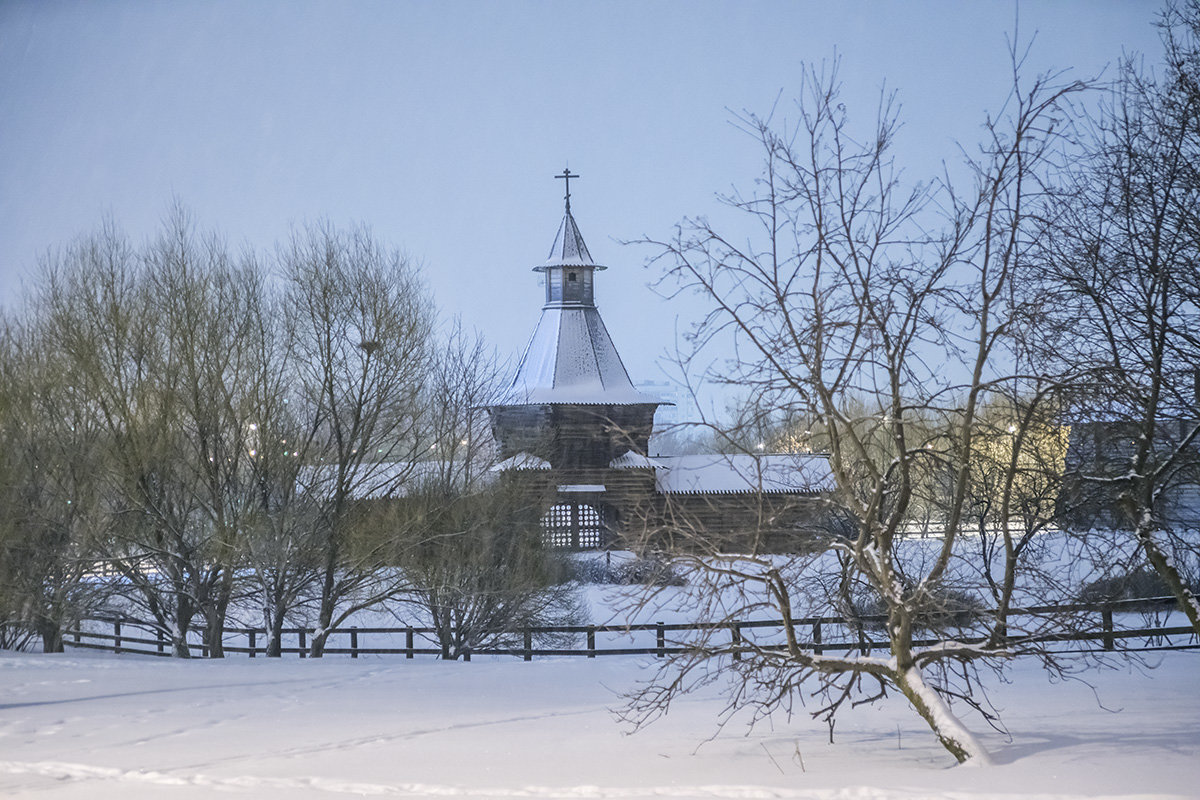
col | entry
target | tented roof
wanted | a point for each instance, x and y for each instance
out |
(571, 359)
(569, 249)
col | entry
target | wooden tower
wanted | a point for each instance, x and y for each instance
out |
(571, 406)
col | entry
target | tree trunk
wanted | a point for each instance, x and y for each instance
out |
(950, 731)
(1166, 570)
(325, 613)
(216, 615)
(52, 636)
(179, 645)
(214, 629)
(275, 632)
(320, 637)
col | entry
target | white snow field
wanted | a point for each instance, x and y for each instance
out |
(101, 725)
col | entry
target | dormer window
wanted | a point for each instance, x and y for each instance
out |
(571, 277)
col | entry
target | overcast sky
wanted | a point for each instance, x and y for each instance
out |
(441, 124)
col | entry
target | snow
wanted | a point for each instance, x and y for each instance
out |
(742, 473)
(949, 725)
(571, 359)
(97, 726)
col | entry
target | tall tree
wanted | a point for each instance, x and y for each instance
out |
(1120, 252)
(54, 521)
(362, 328)
(468, 539)
(882, 316)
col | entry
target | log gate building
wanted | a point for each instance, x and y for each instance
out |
(575, 429)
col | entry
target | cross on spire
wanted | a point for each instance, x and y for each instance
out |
(566, 177)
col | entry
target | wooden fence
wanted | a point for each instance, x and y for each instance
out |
(1093, 627)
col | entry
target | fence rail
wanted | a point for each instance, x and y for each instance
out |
(660, 639)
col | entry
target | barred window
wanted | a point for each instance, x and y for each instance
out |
(575, 526)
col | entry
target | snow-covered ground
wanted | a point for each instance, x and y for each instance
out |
(99, 725)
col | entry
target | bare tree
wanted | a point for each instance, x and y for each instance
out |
(361, 324)
(52, 455)
(881, 316)
(213, 314)
(468, 538)
(99, 316)
(159, 346)
(281, 548)
(1120, 251)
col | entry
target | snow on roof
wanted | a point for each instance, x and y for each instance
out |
(631, 460)
(569, 249)
(522, 461)
(383, 480)
(571, 359)
(740, 473)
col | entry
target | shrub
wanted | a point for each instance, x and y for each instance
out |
(949, 608)
(1141, 583)
(636, 571)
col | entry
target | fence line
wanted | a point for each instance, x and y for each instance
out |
(744, 636)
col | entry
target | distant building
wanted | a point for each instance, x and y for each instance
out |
(576, 429)
(1099, 453)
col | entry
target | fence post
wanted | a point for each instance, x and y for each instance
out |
(408, 642)
(735, 633)
(158, 637)
(78, 625)
(816, 636)
(303, 643)
(660, 640)
(466, 654)
(116, 636)
(253, 635)
(591, 639)
(1106, 622)
(354, 641)
(528, 654)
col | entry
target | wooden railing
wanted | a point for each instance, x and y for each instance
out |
(1093, 627)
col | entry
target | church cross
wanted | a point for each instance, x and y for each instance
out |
(566, 177)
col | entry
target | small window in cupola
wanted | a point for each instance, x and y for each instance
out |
(571, 277)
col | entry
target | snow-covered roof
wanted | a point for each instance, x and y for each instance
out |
(522, 461)
(388, 479)
(571, 359)
(740, 473)
(631, 460)
(569, 249)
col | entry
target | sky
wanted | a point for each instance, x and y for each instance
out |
(441, 125)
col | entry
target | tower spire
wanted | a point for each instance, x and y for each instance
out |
(566, 177)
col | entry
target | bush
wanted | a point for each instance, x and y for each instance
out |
(636, 571)
(1141, 583)
(950, 608)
